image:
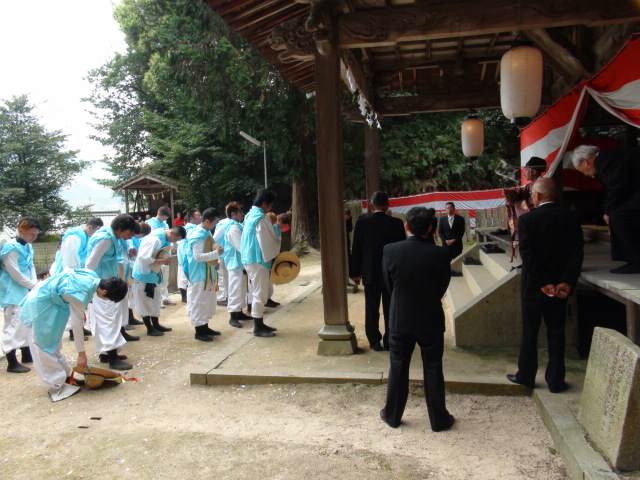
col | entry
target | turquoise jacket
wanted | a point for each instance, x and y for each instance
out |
(182, 244)
(151, 277)
(108, 266)
(231, 256)
(194, 270)
(155, 224)
(11, 292)
(45, 309)
(250, 248)
(82, 251)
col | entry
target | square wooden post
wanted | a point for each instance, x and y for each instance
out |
(336, 337)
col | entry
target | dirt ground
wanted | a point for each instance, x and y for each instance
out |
(163, 428)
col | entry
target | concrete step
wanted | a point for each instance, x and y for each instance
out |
(457, 296)
(478, 278)
(498, 264)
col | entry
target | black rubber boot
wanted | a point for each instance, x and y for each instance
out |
(26, 355)
(271, 304)
(127, 337)
(133, 320)
(233, 321)
(210, 331)
(14, 365)
(87, 333)
(156, 324)
(259, 329)
(201, 334)
(151, 330)
(243, 316)
(183, 295)
(117, 363)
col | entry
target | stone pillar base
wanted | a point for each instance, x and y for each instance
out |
(337, 340)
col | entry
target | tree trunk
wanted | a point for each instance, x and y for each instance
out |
(300, 228)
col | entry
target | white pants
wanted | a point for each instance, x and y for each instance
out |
(223, 280)
(107, 319)
(259, 277)
(14, 333)
(183, 283)
(201, 303)
(52, 369)
(164, 286)
(146, 306)
(237, 289)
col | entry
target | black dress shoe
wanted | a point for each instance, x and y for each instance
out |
(383, 416)
(271, 304)
(447, 424)
(516, 379)
(377, 347)
(629, 268)
(562, 388)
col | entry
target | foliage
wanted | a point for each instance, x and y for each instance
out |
(423, 153)
(175, 102)
(34, 167)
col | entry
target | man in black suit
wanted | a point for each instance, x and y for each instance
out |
(417, 274)
(451, 231)
(370, 236)
(551, 247)
(619, 172)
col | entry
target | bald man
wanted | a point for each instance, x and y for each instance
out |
(551, 247)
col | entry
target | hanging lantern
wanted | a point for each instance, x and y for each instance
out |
(472, 133)
(521, 83)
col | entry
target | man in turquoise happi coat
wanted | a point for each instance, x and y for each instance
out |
(45, 311)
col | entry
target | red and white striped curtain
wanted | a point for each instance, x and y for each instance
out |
(616, 88)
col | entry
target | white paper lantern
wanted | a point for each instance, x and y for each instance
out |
(472, 132)
(521, 82)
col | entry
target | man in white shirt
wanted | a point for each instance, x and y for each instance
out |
(201, 296)
(145, 289)
(193, 219)
(259, 246)
(160, 221)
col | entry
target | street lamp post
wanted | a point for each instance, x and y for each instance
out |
(257, 142)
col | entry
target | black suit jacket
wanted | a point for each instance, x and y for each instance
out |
(551, 247)
(457, 231)
(370, 236)
(417, 273)
(619, 172)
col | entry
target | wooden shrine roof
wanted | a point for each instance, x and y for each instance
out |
(409, 56)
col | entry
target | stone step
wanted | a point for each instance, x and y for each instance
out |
(478, 278)
(498, 264)
(457, 296)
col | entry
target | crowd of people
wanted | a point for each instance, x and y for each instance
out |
(103, 276)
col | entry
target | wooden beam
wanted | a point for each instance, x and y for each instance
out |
(357, 71)
(437, 102)
(561, 59)
(386, 27)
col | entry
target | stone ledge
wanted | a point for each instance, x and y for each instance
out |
(581, 460)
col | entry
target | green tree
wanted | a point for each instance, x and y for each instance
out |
(34, 166)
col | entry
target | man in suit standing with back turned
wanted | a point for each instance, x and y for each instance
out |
(551, 247)
(370, 236)
(417, 274)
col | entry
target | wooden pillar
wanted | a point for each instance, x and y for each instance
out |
(126, 200)
(371, 159)
(171, 202)
(336, 337)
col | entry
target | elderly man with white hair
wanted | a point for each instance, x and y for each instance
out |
(619, 172)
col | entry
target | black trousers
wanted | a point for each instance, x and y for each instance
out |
(454, 250)
(431, 349)
(372, 295)
(554, 311)
(624, 225)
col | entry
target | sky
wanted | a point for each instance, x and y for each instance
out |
(47, 47)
